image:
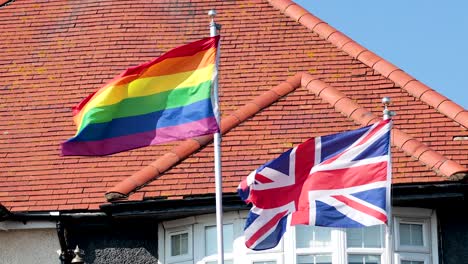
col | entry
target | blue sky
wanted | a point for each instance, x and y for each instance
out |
(428, 39)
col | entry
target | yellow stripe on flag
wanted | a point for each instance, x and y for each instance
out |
(146, 86)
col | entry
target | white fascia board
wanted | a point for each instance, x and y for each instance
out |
(18, 225)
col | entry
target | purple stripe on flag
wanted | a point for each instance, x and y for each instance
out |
(161, 135)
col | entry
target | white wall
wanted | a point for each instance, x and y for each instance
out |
(20, 246)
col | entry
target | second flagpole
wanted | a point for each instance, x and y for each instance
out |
(217, 150)
(387, 114)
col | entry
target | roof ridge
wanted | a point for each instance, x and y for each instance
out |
(333, 96)
(408, 83)
(411, 146)
(190, 146)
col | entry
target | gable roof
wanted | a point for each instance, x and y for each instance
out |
(45, 76)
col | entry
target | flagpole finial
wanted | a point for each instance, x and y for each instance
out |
(212, 13)
(214, 27)
(386, 101)
(387, 114)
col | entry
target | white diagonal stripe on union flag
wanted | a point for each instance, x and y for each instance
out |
(256, 232)
(313, 195)
(278, 178)
(352, 213)
(343, 164)
(371, 206)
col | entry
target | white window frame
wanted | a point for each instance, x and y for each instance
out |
(412, 257)
(167, 228)
(292, 251)
(286, 250)
(365, 251)
(177, 231)
(278, 257)
(429, 252)
(199, 228)
(425, 223)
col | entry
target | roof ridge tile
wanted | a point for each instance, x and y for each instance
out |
(282, 5)
(189, 146)
(309, 21)
(420, 151)
(295, 11)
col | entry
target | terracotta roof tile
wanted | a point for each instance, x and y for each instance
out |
(90, 42)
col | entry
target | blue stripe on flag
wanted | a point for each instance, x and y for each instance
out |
(250, 219)
(243, 193)
(147, 122)
(273, 239)
(280, 164)
(328, 216)
(334, 144)
(375, 197)
(377, 149)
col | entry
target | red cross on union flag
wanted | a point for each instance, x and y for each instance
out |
(338, 180)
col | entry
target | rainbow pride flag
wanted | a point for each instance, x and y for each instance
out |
(166, 99)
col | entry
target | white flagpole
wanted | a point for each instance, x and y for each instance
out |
(217, 150)
(387, 114)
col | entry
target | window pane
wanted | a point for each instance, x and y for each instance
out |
(179, 244)
(216, 262)
(417, 235)
(405, 237)
(211, 246)
(265, 262)
(411, 234)
(313, 259)
(373, 236)
(312, 236)
(363, 259)
(412, 262)
(367, 237)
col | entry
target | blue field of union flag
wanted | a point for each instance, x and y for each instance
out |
(338, 180)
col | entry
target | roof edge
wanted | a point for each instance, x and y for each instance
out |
(190, 146)
(408, 83)
(411, 146)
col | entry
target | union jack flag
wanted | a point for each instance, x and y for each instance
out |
(338, 180)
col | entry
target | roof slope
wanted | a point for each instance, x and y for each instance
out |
(53, 54)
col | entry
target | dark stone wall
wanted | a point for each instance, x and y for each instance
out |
(450, 200)
(453, 233)
(115, 241)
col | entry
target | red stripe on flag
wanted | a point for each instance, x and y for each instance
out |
(348, 177)
(269, 225)
(262, 179)
(181, 51)
(305, 159)
(362, 208)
